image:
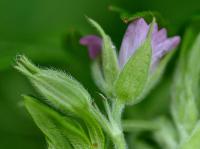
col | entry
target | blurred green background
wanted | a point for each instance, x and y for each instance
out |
(47, 31)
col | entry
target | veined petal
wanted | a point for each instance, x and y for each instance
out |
(159, 36)
(133, 38)
(94, 44)
(163, 47)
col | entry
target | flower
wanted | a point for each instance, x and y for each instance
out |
(135, 35)
(94, 44)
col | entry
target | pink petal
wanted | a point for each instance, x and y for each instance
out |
(159, 37)
(133, 38)
(162, 48)
(94, 44)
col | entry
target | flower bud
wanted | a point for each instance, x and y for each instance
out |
(59, 90)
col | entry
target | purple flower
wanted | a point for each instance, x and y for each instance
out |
(135, 35)
(94, 44)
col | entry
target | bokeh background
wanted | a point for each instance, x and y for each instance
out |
(47, 31)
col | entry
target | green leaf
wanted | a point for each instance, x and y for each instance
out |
(109, 58)
(192, 142)
(60, 131)
(134, 75)
(186, 86)
(166, 135)
(95, 133)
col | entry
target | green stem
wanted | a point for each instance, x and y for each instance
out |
(118, 138)
(131, 125)
(119, 141)
(117, 110)
(113, 126)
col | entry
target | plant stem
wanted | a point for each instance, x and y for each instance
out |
(113, 126)
(131, 125)
(120, 142)
(118, 138)
(117, 110)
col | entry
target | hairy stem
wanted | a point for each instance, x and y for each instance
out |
(113, 126)
(120, 142)
(117, 110)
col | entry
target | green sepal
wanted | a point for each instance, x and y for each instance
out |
(156, 75)
(60, 90)
(110, 65)
(98, 76)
